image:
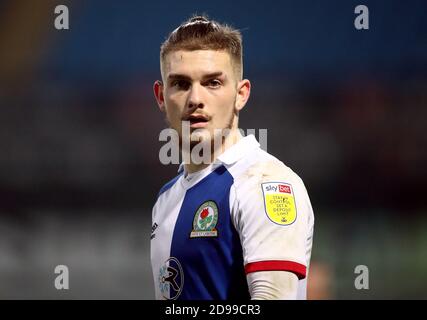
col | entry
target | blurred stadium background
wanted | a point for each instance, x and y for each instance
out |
(79, 128)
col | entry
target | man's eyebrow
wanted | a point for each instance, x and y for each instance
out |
(178, 76)
(213, 75)
(174, 76)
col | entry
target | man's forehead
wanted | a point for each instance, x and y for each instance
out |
(203, 61)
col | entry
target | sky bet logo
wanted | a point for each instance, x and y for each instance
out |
(282, 188)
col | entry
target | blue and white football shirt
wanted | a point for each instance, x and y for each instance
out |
(246, 212)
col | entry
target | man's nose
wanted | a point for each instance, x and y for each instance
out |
(195, 99)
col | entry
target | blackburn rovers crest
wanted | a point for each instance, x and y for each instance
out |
(205, 220)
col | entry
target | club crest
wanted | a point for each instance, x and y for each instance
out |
(205, 220)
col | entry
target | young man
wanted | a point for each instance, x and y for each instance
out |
(239, 224)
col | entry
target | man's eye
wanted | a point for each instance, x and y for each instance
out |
(214, 83)
(181, 84)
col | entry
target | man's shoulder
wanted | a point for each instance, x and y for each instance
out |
(261, 170)
(263, 166)
(267, 176)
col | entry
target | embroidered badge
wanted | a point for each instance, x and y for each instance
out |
(205, 220)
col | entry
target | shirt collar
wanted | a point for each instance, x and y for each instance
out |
(239, 150)
(236, 152)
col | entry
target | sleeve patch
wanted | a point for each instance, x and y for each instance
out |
(279, 202)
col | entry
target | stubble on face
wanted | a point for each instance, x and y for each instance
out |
(206, 136)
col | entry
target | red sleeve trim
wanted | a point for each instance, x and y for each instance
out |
(277, 265)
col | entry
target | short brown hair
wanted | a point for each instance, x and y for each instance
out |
(200, 33)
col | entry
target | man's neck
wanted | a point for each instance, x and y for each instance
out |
(228, 142)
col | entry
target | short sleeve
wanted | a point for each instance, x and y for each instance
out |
(274, 220)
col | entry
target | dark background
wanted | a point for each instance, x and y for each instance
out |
(79, 126)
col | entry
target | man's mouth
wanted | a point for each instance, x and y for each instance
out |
(197, 121)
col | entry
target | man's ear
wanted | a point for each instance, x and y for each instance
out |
(243, 93)
(158, 93)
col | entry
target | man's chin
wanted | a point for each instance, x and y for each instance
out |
(200, 138)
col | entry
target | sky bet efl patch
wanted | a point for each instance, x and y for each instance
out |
(279, 202)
